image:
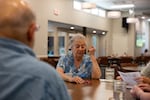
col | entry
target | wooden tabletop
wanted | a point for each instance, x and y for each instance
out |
(95, 90)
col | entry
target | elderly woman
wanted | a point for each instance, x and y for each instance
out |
(76, 65)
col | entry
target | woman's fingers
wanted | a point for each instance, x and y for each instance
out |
(78, 80)
(145, 87)
(139, 80)
(91, 50)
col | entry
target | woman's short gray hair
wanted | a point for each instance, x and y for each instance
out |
(78, 36)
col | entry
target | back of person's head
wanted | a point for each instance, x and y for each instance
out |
(17, 21)
(76, 37)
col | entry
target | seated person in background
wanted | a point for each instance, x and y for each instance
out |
(146, 52)
(76, 65)
(141, 91)
(125, 54)
(22, 75)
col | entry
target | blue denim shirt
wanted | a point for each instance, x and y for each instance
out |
(67, 64)
(23, 77)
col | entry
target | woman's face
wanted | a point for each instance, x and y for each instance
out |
(79, 48)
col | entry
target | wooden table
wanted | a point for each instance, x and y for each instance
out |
(96, 90)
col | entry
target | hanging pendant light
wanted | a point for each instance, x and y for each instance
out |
(132, 20)
(88, 5)
(113, 14)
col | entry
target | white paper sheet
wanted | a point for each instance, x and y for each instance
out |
(129, 78)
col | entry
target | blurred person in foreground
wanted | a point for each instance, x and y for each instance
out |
(145, 78)
(22, 75)
(76, 65)
(142, 90)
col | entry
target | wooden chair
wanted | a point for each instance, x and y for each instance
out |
(50, 60)
(147, 59)
(129, 64)
(129, 67)
(127, 59)
(102, 61)
(139, 60)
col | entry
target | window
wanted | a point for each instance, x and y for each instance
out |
(140, 40)
(61, 45)
(77, 5)
(102, 13)
(87, 10)
(50, 46)
(95, 11)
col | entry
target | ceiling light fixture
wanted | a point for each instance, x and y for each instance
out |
(88, 5)
(94, 31)
(72, 28)
(103, 33)
(143, 17)
(123, 6)
(113, 14)
(132, 20)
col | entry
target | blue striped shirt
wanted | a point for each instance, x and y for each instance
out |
(66, 62)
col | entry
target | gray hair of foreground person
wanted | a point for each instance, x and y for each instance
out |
(16, 21)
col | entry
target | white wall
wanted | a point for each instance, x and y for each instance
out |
(41, 36)
(122, 40)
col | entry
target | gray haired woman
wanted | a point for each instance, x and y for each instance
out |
(76, 65)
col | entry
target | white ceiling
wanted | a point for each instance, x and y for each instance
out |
(141, 6)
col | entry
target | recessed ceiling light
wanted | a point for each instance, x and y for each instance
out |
(94, 31)
(148, 20)
(103, 33)
(143, 17)
(71, 28)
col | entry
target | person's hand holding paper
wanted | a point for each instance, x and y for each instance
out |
(130, 78)
(143, 79)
